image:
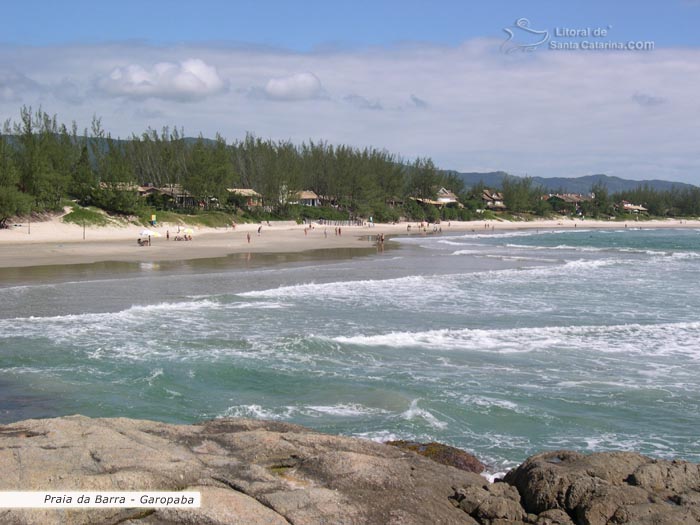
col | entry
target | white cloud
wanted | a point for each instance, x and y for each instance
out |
(14, 85)
(546, 113)
(361, 102)
(190, 79)
(299, 86)
(68, 91)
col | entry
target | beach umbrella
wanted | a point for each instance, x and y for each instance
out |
(152, 233)
(188, 231)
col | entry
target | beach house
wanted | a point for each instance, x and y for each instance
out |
(493, 200)
(251, 198)
(566, 203)
(445, 196)
(628, 207)
(307, 198)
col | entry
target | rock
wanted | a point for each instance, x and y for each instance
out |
(272, 473)
(247, 472)
(606, 488)
(491, 503)
(470, 498)
(495, 508)
(553, 517)
(443, 454)
(677, 476)
(220, 506)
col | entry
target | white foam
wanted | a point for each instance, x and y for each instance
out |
(136, 311)
(257, 412)
(382, 436)
(335, 288)
(653, 339)
(659, 446)
(343, 410)
(489, 402)
(528, 233)
(450, 243)
(399, 292)
(414, 412)
(685, 255)
(286, 412)
(493, 476)
(155, 374)
(559, 247)
(266, 305)
(402, 290)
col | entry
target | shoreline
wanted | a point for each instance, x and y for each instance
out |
(55, 243)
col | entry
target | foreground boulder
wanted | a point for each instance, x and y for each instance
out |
(248, 472)
(261, 472)
(609, 488)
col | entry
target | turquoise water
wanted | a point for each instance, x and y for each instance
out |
(504, 344)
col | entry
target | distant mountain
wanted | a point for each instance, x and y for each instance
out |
(492, 179)
(573, 184)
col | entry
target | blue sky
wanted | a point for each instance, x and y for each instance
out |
(303, 26)
(418, 78)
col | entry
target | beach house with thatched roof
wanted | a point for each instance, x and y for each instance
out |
(307, 198)
(493, 200)
(252, 198)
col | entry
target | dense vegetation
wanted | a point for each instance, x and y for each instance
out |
(522, 196)
(43, 163)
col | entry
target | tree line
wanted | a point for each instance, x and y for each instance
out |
(43, 163)
(522, 195)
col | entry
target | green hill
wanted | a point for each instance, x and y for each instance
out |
(573, 184)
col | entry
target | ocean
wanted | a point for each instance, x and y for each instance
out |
(504, 344)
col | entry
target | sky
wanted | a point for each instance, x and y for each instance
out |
(545, 88)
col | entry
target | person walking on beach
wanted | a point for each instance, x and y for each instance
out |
(259, 230)
(248, 236)
(167, 235)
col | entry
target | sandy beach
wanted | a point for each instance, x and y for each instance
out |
(53, 242)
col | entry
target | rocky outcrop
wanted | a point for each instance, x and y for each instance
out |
(258, 472)
(443, 454)
(609, 488)
(247, 472)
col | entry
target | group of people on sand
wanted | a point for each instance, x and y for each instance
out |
(177, 237)
(423, 227)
